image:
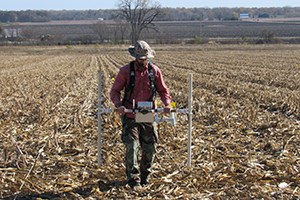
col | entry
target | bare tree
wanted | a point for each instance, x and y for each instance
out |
(27, 33)
(101, 29)
(121, 28)
(1, 30)
(140, 14)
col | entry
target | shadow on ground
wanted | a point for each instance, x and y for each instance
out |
(84, 192)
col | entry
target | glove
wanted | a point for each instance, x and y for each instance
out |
(121, 110)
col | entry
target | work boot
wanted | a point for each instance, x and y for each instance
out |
(134, 184)
(144, 180)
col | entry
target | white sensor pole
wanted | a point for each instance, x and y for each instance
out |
(99, 118)
(190, 107)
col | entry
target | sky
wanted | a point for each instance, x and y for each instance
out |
(112, 4)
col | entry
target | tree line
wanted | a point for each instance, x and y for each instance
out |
(168, 14)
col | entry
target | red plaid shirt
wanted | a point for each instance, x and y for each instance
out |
(142, 90)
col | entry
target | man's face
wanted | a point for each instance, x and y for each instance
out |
(141, 63)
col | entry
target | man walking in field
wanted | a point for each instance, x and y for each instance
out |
(141, 79)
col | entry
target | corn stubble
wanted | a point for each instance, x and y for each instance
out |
(246, 124)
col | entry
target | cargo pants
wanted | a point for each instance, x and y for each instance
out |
(135, 135)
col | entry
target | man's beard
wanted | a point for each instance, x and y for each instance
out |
(140, 66)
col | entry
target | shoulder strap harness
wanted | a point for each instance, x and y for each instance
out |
(131, 84)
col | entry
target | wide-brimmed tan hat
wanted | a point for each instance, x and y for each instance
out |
(141, 50)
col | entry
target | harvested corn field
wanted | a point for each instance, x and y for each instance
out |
(246, 124)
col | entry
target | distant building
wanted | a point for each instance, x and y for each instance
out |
(244, 16)
(11, 32)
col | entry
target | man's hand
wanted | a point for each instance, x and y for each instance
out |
(121, 110)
